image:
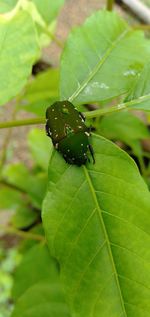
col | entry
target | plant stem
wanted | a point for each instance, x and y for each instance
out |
(104, 111)
(17, 123)
(126, 105)
(23, 234)
(110, 4)
(54, 38)
(144, 27)
(89, 114)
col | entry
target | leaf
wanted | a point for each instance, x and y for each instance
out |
(48, 9)
(9, 198)
(123, 126)
(7, 5)
(141, 91)
(101, 59)
(40, 147)
(24, 216)
(42, 299)
(35, 185)
(19, 50)
(97, 224)
(41, 92)
(26, 244)
(37, 266)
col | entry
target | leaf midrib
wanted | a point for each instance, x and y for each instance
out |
(97, 66)
(89, 181)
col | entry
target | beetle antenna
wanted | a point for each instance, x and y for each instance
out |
(92, 153)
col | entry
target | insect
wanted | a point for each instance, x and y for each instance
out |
(69, 134)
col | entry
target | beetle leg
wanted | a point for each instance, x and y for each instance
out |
(90, 129)
(92, 153)
(47, 128)
(82, 115)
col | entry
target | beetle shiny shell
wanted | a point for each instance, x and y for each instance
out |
(69, 134)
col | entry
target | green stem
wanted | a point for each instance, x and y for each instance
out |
(17, 123)
(126, 105)
(22, 234)
(109, 5)
(54, 38)
(104, 111)
(89, 114)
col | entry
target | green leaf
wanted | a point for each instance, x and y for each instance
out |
(97, 225)
(36, 266)
(101, 59)
(123, 126)
(48, 9)
(141, 91)
(19, 50)
(7, 5)
(9, 198)
(41, 92)
(40, 300)
(26, 244)
(40, 147)
(35, 185)
(24, 216)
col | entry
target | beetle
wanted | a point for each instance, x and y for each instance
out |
(70, 136)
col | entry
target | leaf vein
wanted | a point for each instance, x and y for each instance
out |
(87, 266)
(98, 66)
(106, 235)
(67, 210)
(80, 233)
(130, 279)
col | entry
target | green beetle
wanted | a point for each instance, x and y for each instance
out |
(69, 134)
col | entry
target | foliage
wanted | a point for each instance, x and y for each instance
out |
(89, 255)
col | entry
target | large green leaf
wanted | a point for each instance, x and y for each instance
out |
(101, 59)
(141, 91)
(42, 300)
(19, 50)
(97, 225)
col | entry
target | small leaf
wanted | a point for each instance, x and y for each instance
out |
(24, 217)
(101, 59)
(40, 147)
(18, 52)
(36, 266)
(97, 225)
(7, 5)
(48, 9)
(123, 126)
(9, 198)
(41, 92)
(35, 185)
(141, 91)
